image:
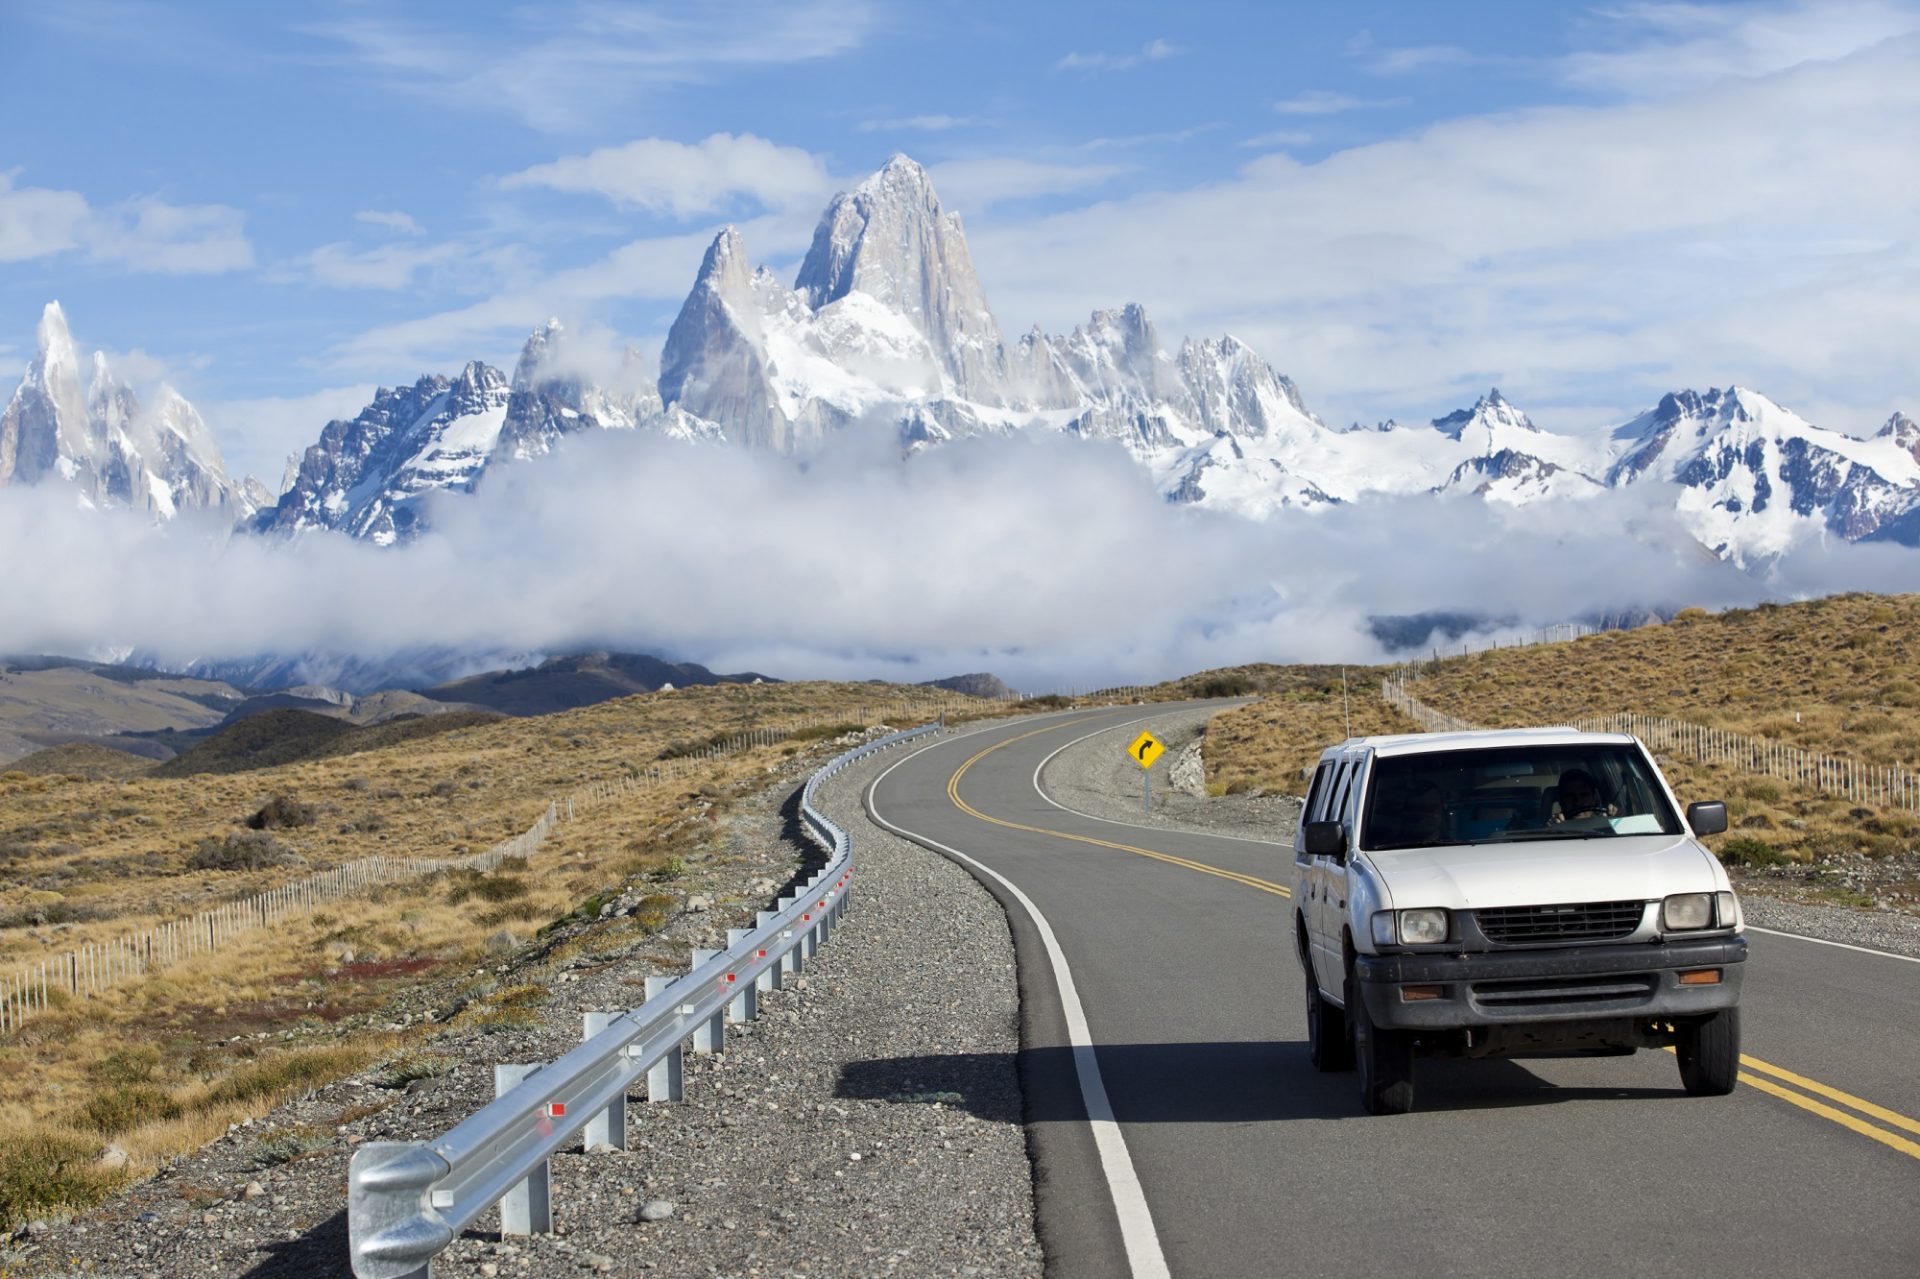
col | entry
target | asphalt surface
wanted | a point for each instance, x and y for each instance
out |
(1251, 1163)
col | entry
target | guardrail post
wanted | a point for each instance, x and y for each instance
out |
(710, 1036)
(527, 1209)
(609, 1127)
(792, 961)
(666, 1078)
(745, 1005)
(769, 978)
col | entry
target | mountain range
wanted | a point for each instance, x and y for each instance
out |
(886, 321)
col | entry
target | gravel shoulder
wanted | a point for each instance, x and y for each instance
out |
(867, 1123)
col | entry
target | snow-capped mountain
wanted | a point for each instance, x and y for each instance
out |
(1754, 479)
(366, 476)
(115, 451)
(887, 322)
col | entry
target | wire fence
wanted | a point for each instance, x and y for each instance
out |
(1884, 785)
(95, 967)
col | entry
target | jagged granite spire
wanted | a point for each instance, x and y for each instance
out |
(889, 239)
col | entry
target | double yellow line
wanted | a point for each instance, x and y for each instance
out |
(953, 793)
(1773, 1080)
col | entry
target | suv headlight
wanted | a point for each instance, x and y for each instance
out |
(1422, 927)
(1684, 911)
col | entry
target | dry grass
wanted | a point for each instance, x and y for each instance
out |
(163, 1064)
(1835, 676)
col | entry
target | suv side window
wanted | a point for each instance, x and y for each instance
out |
(1343, 784)
(1316, 793)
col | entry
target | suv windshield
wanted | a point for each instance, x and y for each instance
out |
(1511, 793)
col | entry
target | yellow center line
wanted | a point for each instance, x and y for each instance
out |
(1881, 1113)
(953, 793)
(1747, 1076)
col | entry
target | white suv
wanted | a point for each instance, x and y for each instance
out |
(1500, 893)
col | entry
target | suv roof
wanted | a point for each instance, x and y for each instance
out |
(1421, 743)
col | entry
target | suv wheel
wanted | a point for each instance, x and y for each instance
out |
(1709, 1053)
(1385, 1059)
(1327, 1043)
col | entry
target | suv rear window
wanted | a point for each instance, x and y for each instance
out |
(1513, 793)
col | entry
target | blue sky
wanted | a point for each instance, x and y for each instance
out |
(277, 207)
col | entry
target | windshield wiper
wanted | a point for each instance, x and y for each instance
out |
(1515, 836)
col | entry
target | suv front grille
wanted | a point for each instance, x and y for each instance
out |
(1584, 921)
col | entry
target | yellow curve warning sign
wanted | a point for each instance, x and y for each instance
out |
(1145, 749)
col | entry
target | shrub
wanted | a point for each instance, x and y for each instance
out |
(243, 850)
(45, 1170)
(282, 812)
(1745, 850)
(1224, 686)
(289, 1144)
(126, 1107)
(304, 1069)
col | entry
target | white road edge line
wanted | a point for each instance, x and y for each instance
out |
(1145, 1259)
(1114, 821)
(1821, 941)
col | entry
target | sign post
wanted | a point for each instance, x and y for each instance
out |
(1145, 749)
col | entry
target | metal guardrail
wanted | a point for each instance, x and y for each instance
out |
(407, 1201)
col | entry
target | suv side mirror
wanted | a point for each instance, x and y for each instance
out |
(1326, 839)
(1707, 818)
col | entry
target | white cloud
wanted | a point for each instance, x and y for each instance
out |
(918, 123)
(456, 265)
(1581, 254)
(144, 234)
(685, 180)
(1392, 60)
(36, 222)
(564, 66)
(1665, 48)
(393, 221)
(997, 580)
(1326, 102)
(1279, 138)
(972, 186)
(1152, 51)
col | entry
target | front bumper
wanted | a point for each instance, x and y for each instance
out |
(1572, 984)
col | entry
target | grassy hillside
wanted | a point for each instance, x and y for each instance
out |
(164, 1063)
(1836, 676)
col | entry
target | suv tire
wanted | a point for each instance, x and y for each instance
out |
(1385, 1059)
(1328, 1044)
(1709, 1053)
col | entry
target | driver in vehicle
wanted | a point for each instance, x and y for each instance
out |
(1579, 797)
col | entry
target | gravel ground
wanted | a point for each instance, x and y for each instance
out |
(868, 1123)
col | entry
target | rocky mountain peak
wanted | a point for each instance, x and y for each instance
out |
(889, 239)
(55, 343)
(1490, 412)
(1904, 432)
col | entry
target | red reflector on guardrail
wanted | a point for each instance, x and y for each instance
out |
(556, 1109)
(729, 976)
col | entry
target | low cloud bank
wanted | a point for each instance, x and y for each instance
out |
(1046, 561)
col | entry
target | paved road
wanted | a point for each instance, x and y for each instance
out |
(1248, 1162)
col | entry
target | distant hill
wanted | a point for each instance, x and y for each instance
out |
(373, 708)
(564, 683)
(50, 701)
(287, 736)
(84, 759)
(982, 684)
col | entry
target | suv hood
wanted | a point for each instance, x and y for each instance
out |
(1547, 872)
